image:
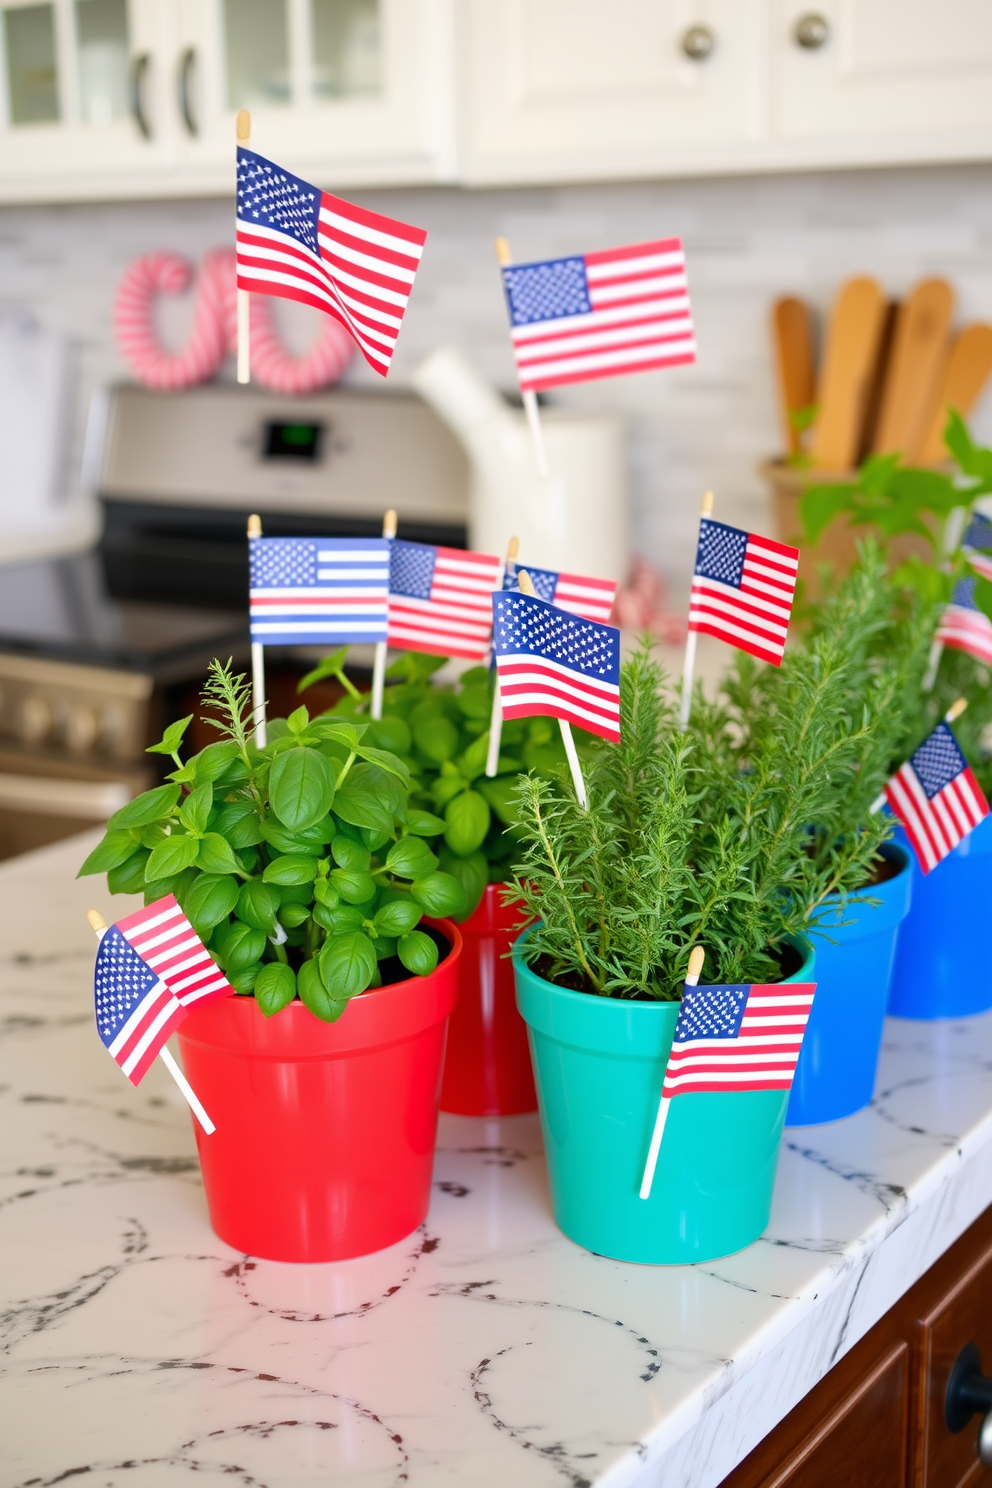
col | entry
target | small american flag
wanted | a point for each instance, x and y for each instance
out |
(936, 797)
(742, 589)
(557, 665)
(738, 1037)
(590, 598)
(600, 314)
(439, 599)
(166, 941)
(315, 589)
(301, 243)
(135, 1010)
(965, 627)
(977, 545)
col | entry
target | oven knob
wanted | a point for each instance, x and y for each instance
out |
(82, 728)
(35, 718)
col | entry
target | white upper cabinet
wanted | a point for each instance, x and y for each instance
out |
(883, 79)
(556, 89)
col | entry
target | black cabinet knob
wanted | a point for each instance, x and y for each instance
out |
(969, 1393)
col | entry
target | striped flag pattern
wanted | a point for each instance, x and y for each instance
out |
(963, 626)
(590, 598)
(135, 1011)
(936, 797)
(439, 599)
(600, 314)
(166, 941)
(977, 544)
(298, 242)
(738, 1037)
(742, 589)
(556, 665)
(306, 590)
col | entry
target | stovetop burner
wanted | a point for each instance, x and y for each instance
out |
(62, 609)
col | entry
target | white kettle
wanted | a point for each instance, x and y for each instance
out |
(576, 520)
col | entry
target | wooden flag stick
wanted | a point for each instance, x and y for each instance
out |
(526, 584)
(696, 958)
(689, 665)
(954, 711)
(496, 717)
(243, 128)
(257, 662)
(953, 529)
(379, 661)
(531, 408)
(99, 926)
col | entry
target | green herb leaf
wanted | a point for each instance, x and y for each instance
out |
(292, 868)
(347, 964)
(466, 823)
(298, 720)
(292, 915)
(301, 787)
(148, 807)
(392, 734)
(315, 996)
(501, 794)
(473, 760)
(215, 855)
(245, 978)
(312, 840)
(358, 803)
(257, 905)
(417, 952)
(115, 849)
(440, 895)
(210, 898)
(424, 824)
(352, 855)
(195, 810)
(172, 738)
(238, 945)
(129, 877)
(410, 858)
(216, 760)
(238, 822)
(473, 875)
(275, 987)
(353, 886)
(436, 738)
(397, 916)
(171, 856)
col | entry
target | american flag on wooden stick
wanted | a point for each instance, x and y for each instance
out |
(742, 589)
(556, 665)
(590, 598)
(166, 941)
(136, 1012)
(439, 599)
(309, 590)
(936, 797)
(301, 243)
(738, 1037)
(600, 314)
(963, 626)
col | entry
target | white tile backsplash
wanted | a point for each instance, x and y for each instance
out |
(747, 239)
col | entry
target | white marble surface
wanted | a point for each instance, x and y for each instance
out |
(138, 1351)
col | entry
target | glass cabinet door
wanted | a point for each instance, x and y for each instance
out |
(256, 53)
(102, 49)
(32, 75)
(347, 49)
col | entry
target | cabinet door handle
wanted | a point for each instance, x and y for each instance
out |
(698, 43)
(139, 73)
(187, 65)
(812, 31)
(969, 1393)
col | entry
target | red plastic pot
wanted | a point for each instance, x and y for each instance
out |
(487, 1070)
(325, 1135)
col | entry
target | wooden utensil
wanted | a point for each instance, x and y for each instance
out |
(852, 344)
(919, 352)
(966, 373)
(792, 336)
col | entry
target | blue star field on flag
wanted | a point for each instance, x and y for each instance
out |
(721, 551)
(938, 761)
(269, 196)
(711, 1012)
(556, 664)
(305, 590)
(135, 1010)
(546, 291)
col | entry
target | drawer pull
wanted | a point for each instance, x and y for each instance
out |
(812, 32)
(698, 42)
(969, 1393)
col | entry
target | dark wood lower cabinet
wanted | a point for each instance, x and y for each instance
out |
(877, 1419)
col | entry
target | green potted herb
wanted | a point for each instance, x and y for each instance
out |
(685, 843)
(308, 874)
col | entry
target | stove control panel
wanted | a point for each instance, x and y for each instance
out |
(82, 711)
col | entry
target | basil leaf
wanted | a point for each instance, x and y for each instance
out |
(354, 887)
(358, 804)
(210, 899)
(347, 963)
(148, 807)
(501, 794)
(473, 761)
(301, 787)
(310, 841)
(410, 858)
(298, 719)
(275, 987)
(436, 738)
(315, 996)
(292, 915)
(392, 734)
(424, 824)
(244, 980)
(195, 810)
(216, 855)
(172, 738)
(397, 916)
(473, 875)
(293, 868)
(257, 905)
(351, 855)
(170, 857)
(466, 823)
(475, 701)
(238, 945)
(238, 822)
(417, 952)
(179, 885)
(129, 877)
(440, 895)
(114, 850)
(215, 760)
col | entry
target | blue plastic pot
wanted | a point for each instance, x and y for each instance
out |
(938, 972)
(599, 1065)
(835, 1075)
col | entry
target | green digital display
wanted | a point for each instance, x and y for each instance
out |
(293, 441)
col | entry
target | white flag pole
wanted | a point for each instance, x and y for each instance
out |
(257, 662)
(243, 128)
(954, 711)
(696, 958)
(379, 661)
(689, 665)
(531, 409)
(526, 584)
(99, 926)
(953, 528)
(496, 716)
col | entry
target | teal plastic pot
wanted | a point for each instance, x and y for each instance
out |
(599, 1065)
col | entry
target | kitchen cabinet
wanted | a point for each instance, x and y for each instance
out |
(877, 1420)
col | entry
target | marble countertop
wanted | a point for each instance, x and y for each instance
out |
(141, 1352)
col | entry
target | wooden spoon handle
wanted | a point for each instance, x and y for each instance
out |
(968, 368)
